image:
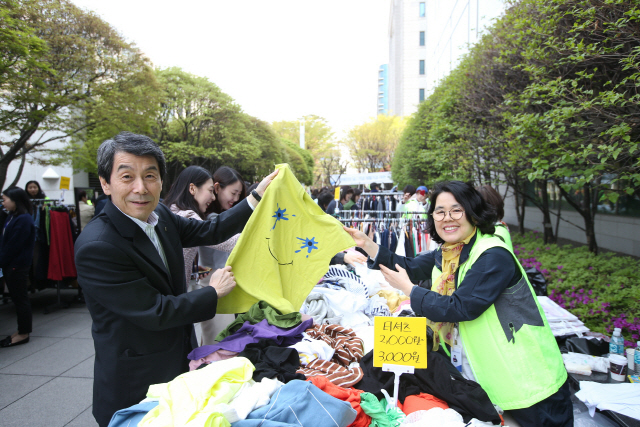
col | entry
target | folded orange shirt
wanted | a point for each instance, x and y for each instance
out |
(421, 402)
(350, 395)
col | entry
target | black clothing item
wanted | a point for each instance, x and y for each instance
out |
(575, 344)
(337, 259)
(331, 208)
(100, 203)
(17, 282)
(272, 361)
(441, 379)
(408, 247)
(554, 411)
(493, 272)
(17, 241)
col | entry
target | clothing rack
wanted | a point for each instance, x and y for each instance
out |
(53, 204)
(383, 193)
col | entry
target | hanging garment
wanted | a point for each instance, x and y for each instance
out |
(400, 247)
(272, 361)
(300, 403)
(352, 396)
(61, 256)
(284, 249)
(258, 312)
(193, 398)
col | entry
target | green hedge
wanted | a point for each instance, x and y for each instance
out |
(603, 291)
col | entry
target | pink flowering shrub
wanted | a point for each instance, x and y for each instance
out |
(603, 291)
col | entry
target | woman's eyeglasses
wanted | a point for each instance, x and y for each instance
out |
(455, 213)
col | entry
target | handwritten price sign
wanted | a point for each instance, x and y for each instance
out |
(400, 341)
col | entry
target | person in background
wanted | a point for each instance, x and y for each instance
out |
(341, 257)
(229, 189)
(100, 202)
(482, 303)
(491, 196)
(346, 193)
(374, 188)
(352, 201)
(357, 200)
(34, 190)
(16, 253)
(86, 210)
(190, 196)
(417, 203)
(409, 190)
(324, 199)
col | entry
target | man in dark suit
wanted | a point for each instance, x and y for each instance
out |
(131, 269)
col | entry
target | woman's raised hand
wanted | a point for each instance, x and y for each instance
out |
(266, 181)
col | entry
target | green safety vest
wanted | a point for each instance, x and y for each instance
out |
(503, 232)
(510, 347)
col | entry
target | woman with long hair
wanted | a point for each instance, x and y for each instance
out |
(34, 190)
(16, 253)
(482, 306)
(190, 196)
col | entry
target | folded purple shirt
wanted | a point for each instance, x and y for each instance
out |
(249, 333)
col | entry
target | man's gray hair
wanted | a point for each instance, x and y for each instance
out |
(138, 145)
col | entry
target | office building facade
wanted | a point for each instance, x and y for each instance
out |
(427, 40)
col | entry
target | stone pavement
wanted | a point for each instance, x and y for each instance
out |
(48, 381)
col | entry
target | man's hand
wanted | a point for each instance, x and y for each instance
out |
(353, 257)
(222, 281)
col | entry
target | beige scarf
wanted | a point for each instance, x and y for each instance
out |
(445, 285)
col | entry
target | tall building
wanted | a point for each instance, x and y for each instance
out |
(426, 41)
(383, 90)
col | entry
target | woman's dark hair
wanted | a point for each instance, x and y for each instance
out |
(344, 191)
(357, 192)
(179, 194)
(491, 196)
(20, 198)
(478, 212)
(82, 194)
(409, 189)
(225, 176)
(324, 199)
(40, 194)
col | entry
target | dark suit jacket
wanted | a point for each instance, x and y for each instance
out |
(142, 315)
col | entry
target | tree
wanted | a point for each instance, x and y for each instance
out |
(83, 54)
(373, 143)
(317, 133)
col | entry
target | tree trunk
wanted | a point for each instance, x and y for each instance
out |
(520, 205)
(546, 216)
(558, 217)
(587, 211)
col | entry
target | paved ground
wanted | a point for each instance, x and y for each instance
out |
(48, 381)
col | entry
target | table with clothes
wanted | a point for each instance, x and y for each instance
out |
(312, 368)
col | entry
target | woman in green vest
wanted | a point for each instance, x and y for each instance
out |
(482, 307)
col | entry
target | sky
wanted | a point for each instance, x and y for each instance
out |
(279, 59)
